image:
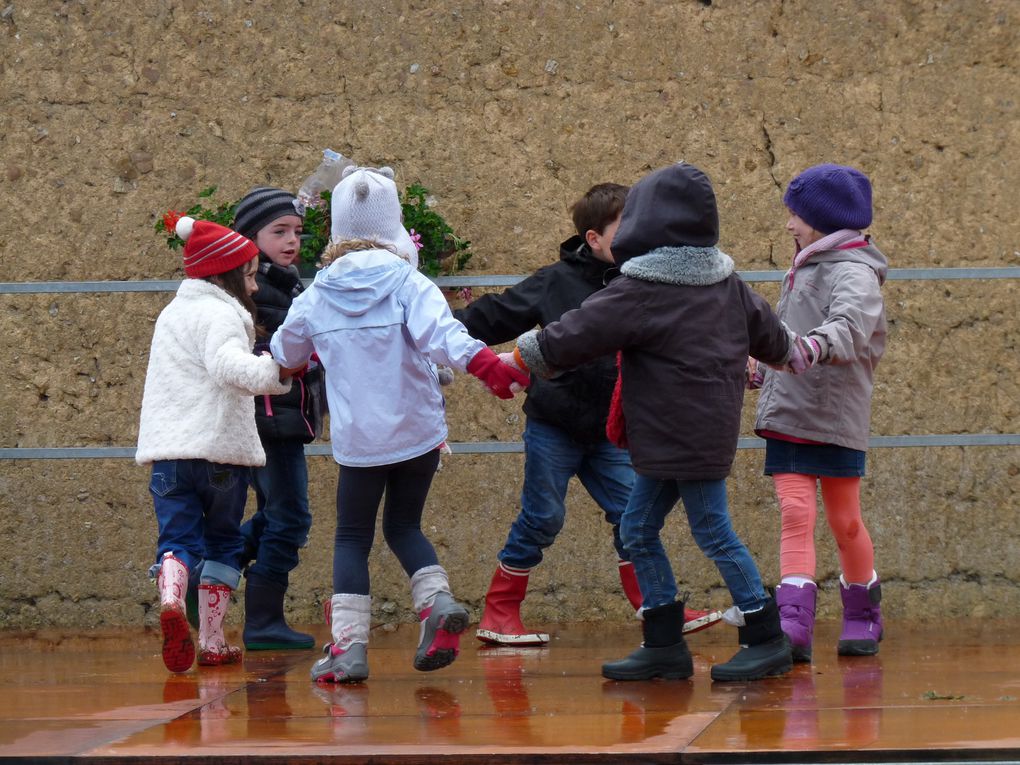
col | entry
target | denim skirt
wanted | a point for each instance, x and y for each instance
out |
(812, 459)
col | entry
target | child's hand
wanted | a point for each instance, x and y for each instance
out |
(805, 352)
(510, 359)
(288, 372)
(754, 374)
(498, 377)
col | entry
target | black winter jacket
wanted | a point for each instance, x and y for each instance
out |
(289, 415)
(577, 402)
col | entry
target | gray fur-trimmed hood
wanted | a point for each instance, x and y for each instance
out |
(685, 265)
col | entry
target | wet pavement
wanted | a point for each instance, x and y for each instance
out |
(934, 692)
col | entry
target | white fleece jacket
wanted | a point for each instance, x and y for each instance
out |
(201, 378)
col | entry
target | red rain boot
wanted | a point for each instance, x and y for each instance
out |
(178, 647)
(213, 601)
(501, 619)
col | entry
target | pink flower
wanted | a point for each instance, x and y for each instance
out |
(416, 238)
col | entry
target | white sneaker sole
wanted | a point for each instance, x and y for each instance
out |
(531, 638)
(703, 622)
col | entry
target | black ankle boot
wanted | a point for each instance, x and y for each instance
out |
(265, 628)
(662, 654)
(764, 649)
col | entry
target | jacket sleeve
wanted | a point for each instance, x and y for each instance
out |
(290, 345)
(585, 333)
(433, 329)
(768, 338)
(230, 363)
(500, 317)
(855, 310)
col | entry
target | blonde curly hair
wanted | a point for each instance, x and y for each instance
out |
(336, 250)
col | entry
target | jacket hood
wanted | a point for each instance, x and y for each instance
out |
(671, 207)
(360, 280)
(868, 255)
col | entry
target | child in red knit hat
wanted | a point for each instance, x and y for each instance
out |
(198, 433)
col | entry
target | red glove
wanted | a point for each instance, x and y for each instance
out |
(497, 376)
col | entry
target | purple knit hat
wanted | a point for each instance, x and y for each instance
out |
(831, 197)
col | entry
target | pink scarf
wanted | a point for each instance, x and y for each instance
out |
(844, 239)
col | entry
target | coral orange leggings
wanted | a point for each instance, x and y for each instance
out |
(799, 507)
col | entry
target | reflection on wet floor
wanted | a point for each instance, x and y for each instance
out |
(931, 693)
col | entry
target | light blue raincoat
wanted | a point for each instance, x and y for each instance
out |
(379, 328)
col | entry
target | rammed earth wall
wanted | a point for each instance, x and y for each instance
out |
(114, 111)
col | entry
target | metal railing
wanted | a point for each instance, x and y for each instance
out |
(507, 447)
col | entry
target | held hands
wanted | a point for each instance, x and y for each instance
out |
(754, 374)
(805, 352)
(502, 380)
(511, 360)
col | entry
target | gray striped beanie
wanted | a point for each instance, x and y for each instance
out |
(261, 206)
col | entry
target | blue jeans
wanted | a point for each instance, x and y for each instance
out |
(280, 525)
(199, 506)
(551, 459)
(707, 513)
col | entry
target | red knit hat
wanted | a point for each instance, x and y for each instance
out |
(211, 249)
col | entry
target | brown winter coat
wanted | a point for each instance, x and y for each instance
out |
(685, 324)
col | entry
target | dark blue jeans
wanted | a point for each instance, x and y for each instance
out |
(199, 506)
(358, 492)
(280, 524)
(551, 459)
(708, 516)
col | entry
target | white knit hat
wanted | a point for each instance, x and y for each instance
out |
(366, 205)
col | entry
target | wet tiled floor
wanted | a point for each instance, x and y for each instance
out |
(934, 692)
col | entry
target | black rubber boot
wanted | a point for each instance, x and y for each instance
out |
(662, 654)
(764, 649)
(265, 629)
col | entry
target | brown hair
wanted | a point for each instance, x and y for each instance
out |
(232, 282)
(599, 207)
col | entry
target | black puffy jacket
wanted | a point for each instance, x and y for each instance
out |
(577, 402)
(296, 414)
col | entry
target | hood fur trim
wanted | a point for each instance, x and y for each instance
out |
(687, 266)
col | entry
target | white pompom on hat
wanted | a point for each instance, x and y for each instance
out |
(211, 249)
(366, 205)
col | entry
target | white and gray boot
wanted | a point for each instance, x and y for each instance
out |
(345, 660)
(442, 619)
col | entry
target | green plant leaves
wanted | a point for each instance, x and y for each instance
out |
(442, 251)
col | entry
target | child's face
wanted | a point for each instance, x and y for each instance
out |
(281, 240)
(601, 243)
(250, 269)
(803, 234)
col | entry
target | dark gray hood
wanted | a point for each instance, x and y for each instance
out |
(671, 207)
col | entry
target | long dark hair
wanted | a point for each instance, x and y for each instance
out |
(232, 282)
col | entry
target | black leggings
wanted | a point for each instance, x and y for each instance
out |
(406, 485)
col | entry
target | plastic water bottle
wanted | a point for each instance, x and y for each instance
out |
(326, 176)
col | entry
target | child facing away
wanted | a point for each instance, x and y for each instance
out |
(380, 327)
(274, 219)
(816, 425)
(682, 321)
(197, 430)
(565, 429)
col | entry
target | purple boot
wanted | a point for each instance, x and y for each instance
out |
(797, 616)
(862, 618)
